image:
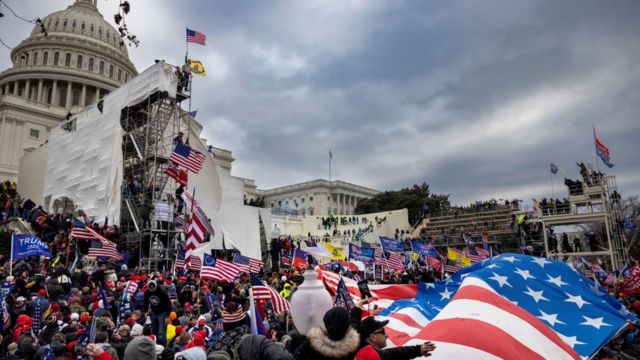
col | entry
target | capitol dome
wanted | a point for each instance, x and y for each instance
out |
(80, 60)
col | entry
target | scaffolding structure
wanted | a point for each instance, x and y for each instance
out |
(150, 128)
(593, 204)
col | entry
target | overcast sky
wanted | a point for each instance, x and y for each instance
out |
(475, 98)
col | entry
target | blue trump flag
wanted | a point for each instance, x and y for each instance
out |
(25, 245)
(576, 308)
(393, 245)
(423, 249)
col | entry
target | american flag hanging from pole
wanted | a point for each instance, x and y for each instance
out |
(82, 231)
(218, 269)
(248, 264)
(104, 248)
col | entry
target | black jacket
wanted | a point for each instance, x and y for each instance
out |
(158, 301)
(256, 347)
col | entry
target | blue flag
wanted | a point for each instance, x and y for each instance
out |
(366, 255)
(423, 249)
(25, 245)
(393, 245)
(576, 308)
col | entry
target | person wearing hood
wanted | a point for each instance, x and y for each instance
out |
(195, 349)
(140, 348)
(286, 291)
(201, 326)
(340, 341)
(158, 304)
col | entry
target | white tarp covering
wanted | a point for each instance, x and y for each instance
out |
(85, 165)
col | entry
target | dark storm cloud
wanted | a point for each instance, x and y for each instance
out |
(475, 98)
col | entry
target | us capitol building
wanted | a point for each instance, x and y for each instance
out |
(81, 60)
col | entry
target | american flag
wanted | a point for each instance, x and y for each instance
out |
(483, 252)
(195, 263)
(262, 291)
(452, 268)
(180, 264)
(248, 264)
(195, 37)
(181, 223)
(472, 255)
(81, 231)
(572, 306)
(188, 158)
(477, 319)
(286, 260)
(219, 270)
(195, 234)
(395, 261)
(104, 248)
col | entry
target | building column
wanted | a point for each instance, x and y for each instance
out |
(27, 87)
(39, 94)
(54, 94)
(97, 94)
(68, 101)
(83, 95)
(15, 88)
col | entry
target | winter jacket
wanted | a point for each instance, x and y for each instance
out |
(157, 301)
(256, 347)
(319, 346)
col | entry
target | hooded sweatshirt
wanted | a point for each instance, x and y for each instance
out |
(141, 348)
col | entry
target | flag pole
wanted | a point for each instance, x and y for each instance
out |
(11, 258)
(330, 156)
(252, 312)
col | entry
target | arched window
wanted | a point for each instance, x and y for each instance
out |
(73, 24)
(64, 24)
(82, 26)
(45, 58)
(101, 69)
(56, 58)
(90, 64)
(110, 71)
(126, 77)
(119, 74)
(91, 28)
(35, 58)
(57, 22)
(79, 62)
(99, 30)
(67, 59)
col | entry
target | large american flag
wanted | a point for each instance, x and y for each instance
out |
(218, 269)
(195, 37)
(248, 264)
(575, 308)
(262, 291)
(478, 323)
(188, 158)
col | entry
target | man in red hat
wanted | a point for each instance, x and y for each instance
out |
(374, 340)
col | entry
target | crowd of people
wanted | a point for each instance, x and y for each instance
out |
(76, 305)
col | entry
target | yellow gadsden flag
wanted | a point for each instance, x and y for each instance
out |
(336, 253)
(458, 257)
(197, 68)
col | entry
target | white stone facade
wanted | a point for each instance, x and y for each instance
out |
(315, 198)
(78, 62)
